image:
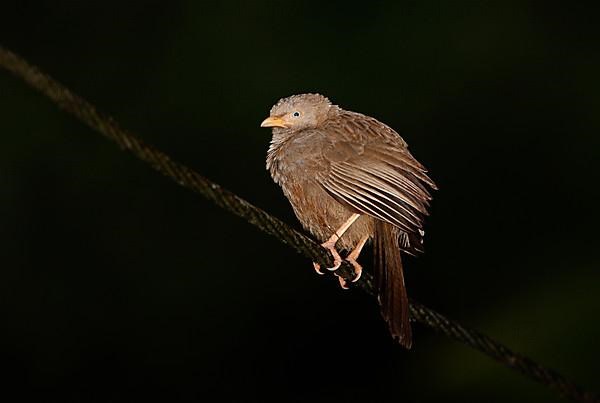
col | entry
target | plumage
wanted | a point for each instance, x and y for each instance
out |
(331, 164)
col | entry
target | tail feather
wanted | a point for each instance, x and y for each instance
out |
(389, 278)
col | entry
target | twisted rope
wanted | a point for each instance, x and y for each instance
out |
(227, 200)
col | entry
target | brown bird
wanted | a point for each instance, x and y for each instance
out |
(349, 179)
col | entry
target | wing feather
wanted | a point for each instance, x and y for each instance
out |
(403, 189)
(404, 186)
(380, 191)
(364, 202)
(395, 192)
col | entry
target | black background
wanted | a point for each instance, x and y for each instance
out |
(118, 285)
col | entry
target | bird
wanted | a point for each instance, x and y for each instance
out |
(350, 180)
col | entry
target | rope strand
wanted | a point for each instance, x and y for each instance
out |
(229, 201)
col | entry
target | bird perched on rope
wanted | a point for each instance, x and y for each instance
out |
(349, 179)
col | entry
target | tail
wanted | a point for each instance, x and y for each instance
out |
(389, 279)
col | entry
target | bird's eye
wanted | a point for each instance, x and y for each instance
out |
(296, 114)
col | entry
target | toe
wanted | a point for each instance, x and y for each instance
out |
(335, 267)
(357, 274)
(337, 262)
(317, 268)
(343, 282)
(357, 269)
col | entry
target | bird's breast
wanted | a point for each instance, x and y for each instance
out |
(299, 158)
(296, 165)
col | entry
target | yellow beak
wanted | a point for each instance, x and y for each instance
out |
(272, 121)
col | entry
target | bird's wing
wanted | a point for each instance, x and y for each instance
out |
(371, 171)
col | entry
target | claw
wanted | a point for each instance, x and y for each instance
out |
(357, 269)
(343, 282)
(317, 268)
(337, 259)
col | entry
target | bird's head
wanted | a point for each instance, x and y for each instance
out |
(298, 112)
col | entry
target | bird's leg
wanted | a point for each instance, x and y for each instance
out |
(330, 244)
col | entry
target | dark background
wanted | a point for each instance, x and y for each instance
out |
(118, 285)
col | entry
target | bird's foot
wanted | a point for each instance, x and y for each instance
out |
(357, 268)
(317, 268)
(357, 273)
(337, 259)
